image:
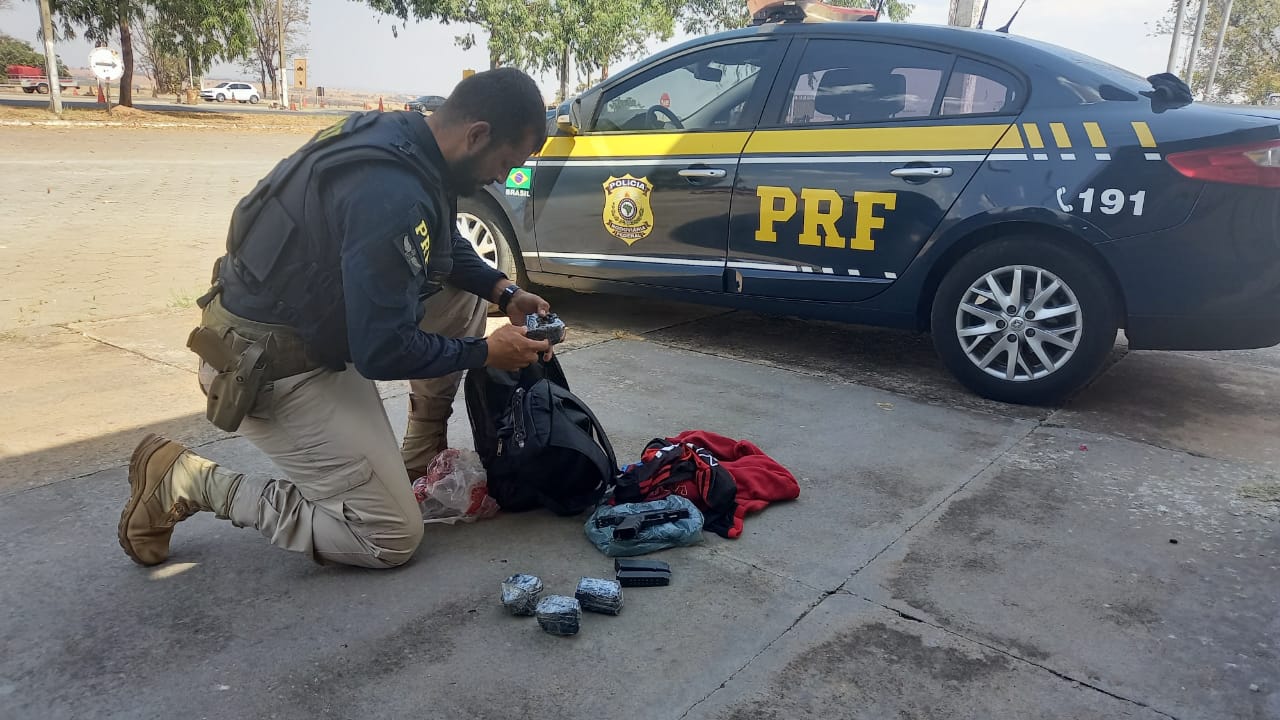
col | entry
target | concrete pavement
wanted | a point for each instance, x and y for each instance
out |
(942, 561)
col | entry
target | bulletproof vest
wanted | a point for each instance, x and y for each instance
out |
(283, 261)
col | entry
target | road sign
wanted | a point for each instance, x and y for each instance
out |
(300, 73)
(106, 64)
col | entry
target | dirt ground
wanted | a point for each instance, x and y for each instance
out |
(138, 118)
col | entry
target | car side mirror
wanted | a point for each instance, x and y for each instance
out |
(570, 119)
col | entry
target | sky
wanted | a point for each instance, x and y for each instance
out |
(352, 47)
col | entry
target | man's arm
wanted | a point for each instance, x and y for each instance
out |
(374, 210)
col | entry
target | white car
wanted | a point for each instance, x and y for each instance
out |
(241, 91)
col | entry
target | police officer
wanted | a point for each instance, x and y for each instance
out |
(343, 266)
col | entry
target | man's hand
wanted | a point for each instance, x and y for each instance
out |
(510, 350)
(525, 304)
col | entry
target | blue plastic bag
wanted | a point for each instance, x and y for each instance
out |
(686, 531)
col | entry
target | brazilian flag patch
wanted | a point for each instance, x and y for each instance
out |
(519, 178)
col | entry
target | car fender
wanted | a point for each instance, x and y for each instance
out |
(518, 212)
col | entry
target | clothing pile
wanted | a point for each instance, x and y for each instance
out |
(722, 478)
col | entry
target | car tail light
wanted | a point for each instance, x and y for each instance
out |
(1257, 164)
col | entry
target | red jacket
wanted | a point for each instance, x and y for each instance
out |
(760, 479)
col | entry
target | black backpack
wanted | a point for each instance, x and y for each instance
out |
(541, 446)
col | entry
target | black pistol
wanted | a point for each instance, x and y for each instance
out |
(627, 527)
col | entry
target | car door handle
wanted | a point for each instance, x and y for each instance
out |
(922, 172)
(702, 173)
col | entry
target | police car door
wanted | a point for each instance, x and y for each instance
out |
(861, 152)
(642, 193)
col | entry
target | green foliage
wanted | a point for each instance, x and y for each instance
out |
(16, 52)
(559, 35)
(1250, 61)
(701, 17)
(204, 31)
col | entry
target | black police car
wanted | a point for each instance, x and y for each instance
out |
(1018, 200)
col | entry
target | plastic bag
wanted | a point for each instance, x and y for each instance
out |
(455, 489)
(686, 531)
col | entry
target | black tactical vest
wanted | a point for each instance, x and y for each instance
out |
(283, 261)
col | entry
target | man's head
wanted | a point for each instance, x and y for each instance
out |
(493, 121)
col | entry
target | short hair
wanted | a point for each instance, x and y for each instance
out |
(506, 98)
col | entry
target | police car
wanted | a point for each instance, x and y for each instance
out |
(1018, 200)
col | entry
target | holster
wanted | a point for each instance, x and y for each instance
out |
(246, 356)
(241, 374)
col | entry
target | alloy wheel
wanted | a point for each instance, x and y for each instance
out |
(1019, 323)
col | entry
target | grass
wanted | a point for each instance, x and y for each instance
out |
(181, 301)
(1266, 492)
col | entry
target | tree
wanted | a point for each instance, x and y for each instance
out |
(561, 35)
(1250, 62)
(265, 53)
(17, 52)
(165, 69)
(203, 31)
(701, 17)
(591, 34)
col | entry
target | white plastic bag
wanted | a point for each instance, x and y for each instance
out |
(454, 489)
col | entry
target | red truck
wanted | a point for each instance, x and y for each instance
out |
(33, 80)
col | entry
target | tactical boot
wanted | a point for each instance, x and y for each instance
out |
(168, 484)
(426, 434)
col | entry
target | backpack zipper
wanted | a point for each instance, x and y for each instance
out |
(518, 416)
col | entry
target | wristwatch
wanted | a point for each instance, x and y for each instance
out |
(507, 293)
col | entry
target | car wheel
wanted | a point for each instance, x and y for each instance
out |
(221, 97)
(490, 235)
(253, 99)
(28, 90)
(1024, 320)
(42, 89)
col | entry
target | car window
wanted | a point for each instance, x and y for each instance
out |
(977, 88)
(849, 81)
(704, 90)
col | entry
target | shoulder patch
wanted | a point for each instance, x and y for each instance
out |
(408, 249)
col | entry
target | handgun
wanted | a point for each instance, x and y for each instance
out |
(626, 527)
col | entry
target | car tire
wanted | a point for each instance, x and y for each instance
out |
(476, 218)
(221, 97)
(1061, 334)
(42, 88)
(253, 99)
(28, 90)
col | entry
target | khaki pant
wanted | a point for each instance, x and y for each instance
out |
(347, 498)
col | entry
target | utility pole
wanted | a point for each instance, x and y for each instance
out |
(1217, 49)
(1177, 35)
(51, 59)
(963, 13)
(1195, 41)
(284, 74)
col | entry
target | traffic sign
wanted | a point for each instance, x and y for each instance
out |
(106, 64)
(300, 73)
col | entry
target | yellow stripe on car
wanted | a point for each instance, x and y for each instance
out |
(1145, 138)
(1096, 139)
(1033, 135)
(1060, 136)
(883, 139)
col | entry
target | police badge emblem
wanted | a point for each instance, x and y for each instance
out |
(627, 214)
